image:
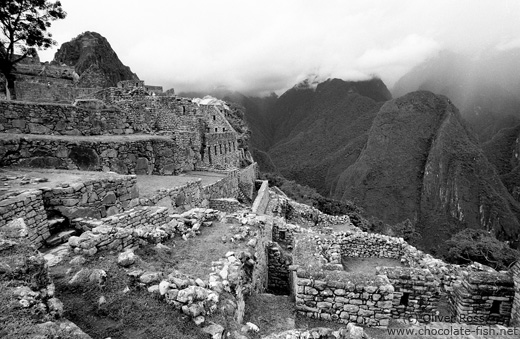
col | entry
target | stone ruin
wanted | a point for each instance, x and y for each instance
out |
(126, 131)
(308, 266)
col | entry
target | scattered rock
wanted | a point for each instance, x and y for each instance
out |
(126, 259)
(150, 277)
(199, 320)
(163, 287)
(89, 276)
(215, 330)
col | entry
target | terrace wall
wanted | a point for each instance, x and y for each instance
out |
(54, 90)
(59, 119)
(140, 155)
(93, 198)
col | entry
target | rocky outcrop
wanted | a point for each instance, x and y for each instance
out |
(94, 60)
(421, 163)
(503, 151)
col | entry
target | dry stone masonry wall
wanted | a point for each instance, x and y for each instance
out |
(478, 295)
(59, 119)
(416, 292)
(484, 298)
(130, 218)
(199, 136)
(278, 269)
(93, 198)
(29, 206)
(143, 155)
(515, 312)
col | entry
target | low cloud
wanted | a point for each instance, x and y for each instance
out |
(262, 46)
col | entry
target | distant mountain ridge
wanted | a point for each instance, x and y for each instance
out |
(486, 88)
(315, 132)
(407, 158)
(94, 59)
(421, 163)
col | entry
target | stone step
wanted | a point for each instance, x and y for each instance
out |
(60, 238)
(55, 224)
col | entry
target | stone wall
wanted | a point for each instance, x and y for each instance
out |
(261, 269)
(130, 218)
(29, 206)
(226, 187)
(416, 292)
(365, 300)
(323, 291)
(92, 198)
(515, 312)
(283, 233)
(262, 199)
(246, 180)
(278, 269)
(225, 204)
(59, 119)
(50, 91)
(144, 154)
(366, 245)
(485, 298)
(133, 229)
(193, 194)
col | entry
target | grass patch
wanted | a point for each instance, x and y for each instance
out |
(135, 314)
(195, 255)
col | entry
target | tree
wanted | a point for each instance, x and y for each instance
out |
(478, 245)
(23, 28)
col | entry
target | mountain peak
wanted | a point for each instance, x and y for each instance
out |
(92, 54)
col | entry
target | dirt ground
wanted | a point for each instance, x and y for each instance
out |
(137, 314)
(150, 184)
(12, 178)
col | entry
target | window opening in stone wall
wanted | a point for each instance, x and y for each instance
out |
(281, 235)
(220, 148)
(216, 129)
(495, 307)
(223, 129)
(214, 117)
(183, 109)
(215, 149)
(404, 299)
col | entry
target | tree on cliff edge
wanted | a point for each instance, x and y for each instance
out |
(23, 28)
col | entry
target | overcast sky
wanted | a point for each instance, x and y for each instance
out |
(259, 46)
